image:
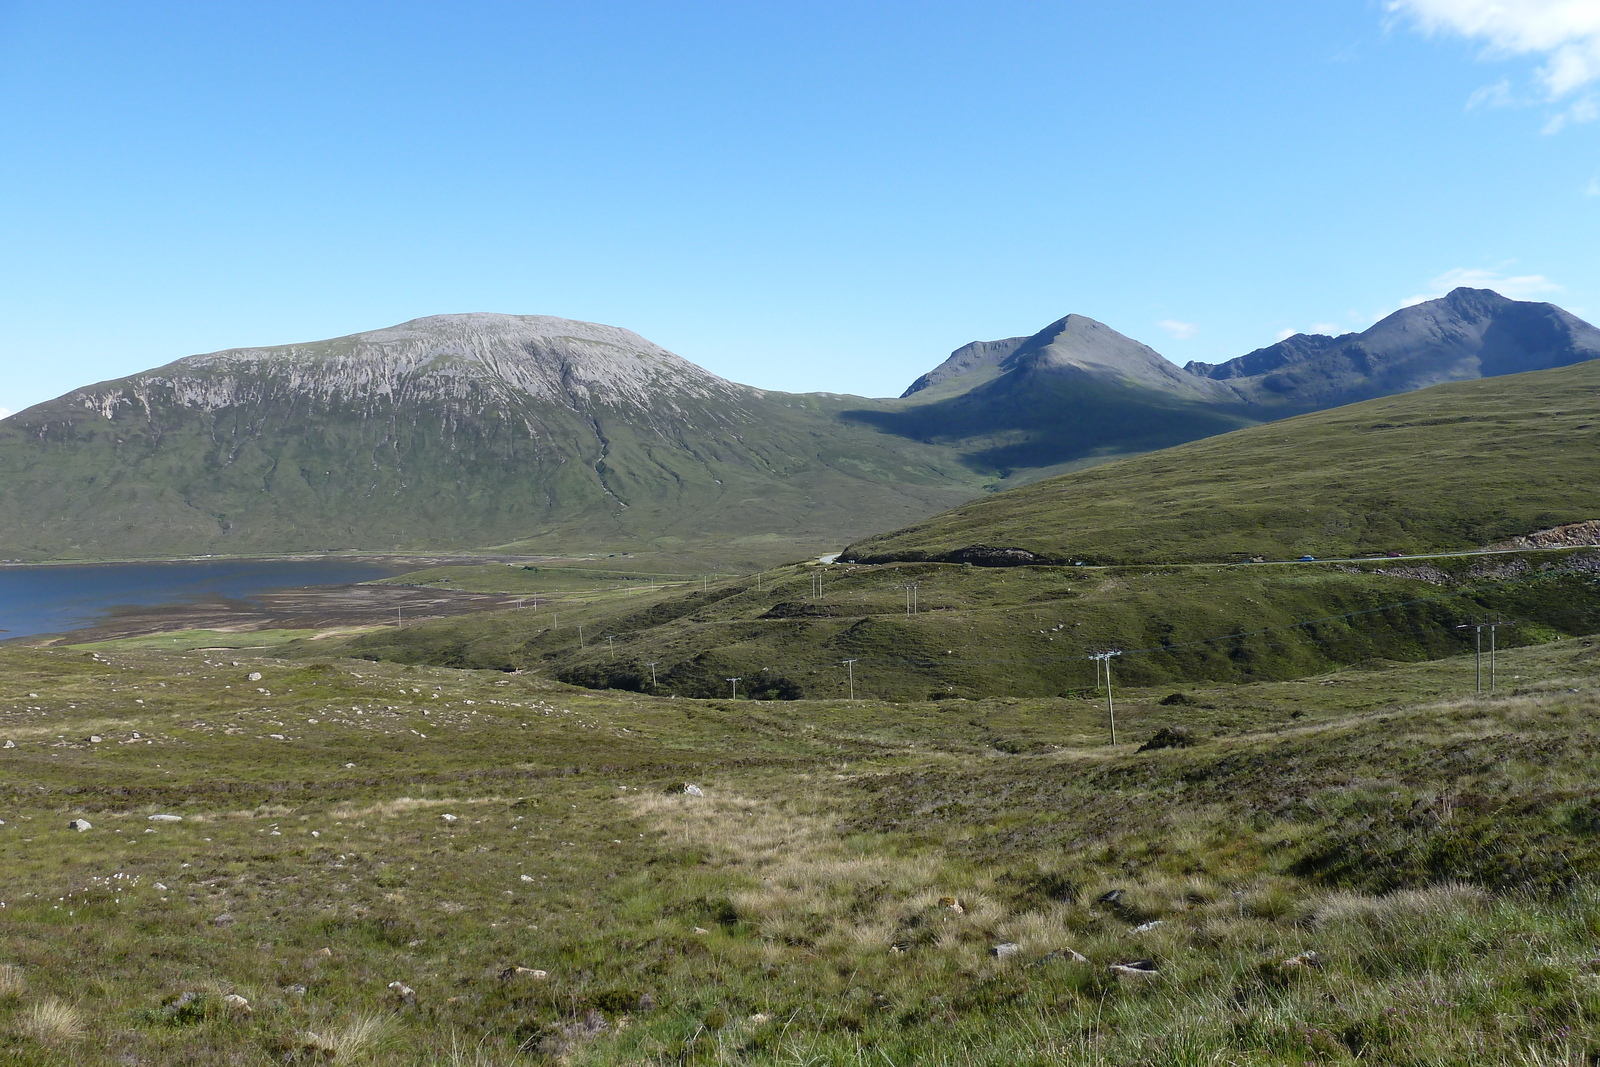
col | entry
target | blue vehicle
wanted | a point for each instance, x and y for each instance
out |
(1308, 559)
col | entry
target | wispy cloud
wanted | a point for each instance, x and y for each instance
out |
(1181, 331)
(1565, 34)
(5, 413)
(1516, 286)
(1594, 187)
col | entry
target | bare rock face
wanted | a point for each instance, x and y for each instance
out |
(1572, 535)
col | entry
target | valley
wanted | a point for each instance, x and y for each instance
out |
(697, 724)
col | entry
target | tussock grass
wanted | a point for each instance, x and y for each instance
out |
(12, 983)
(841, 893)
(52, 1022)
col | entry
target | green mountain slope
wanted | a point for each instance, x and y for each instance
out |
(1452, 467)
(454, 432)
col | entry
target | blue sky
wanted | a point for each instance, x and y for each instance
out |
(798, 196)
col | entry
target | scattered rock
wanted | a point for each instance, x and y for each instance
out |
(952, 905)
(1064, 955)
(1311, 960)
(693, 790)
(1147, 927)
(225, 919)
(1136, 969)
(324, 952)
(527, 878)
(95, 739)
(166, 818)
(1005, 950)
(80, 825)
(160, 887)
(349, 766)
(1168, 737)
(522, 972)
(701, 930)
(403, 993)
(277, 737)
(236, 1003)
(295, 990)
(1112, 896)
(449, 818)
(254, 676)
(760, 1017)
(9, 744)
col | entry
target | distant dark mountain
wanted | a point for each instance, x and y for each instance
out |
(456, 431)
(1074, 392)
(1078, 391)
(1471, 333)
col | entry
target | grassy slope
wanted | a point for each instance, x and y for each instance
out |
(1452, 467)
(1010, 631)
(767, 479)
(838, 891)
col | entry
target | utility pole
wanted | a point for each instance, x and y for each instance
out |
(1111, 709)
(735, 682)
(610, 648)
(911, 598)
(399, 624)
(850, 665)
(580, 635)
(652, 675)
(1477, 652)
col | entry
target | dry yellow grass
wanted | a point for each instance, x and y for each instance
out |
(52, 1022)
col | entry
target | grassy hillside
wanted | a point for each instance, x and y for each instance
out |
(1026, 631)
(1369, 870)
(768, 479)
(1453, 467)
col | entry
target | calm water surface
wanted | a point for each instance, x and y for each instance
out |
(45, 600)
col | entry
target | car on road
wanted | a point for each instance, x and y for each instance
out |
(1308, 559)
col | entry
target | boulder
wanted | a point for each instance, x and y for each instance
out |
(1005, 950)
(80, 825)
(693, 790)
(166, 818)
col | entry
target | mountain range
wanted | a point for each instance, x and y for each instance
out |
(534, 433)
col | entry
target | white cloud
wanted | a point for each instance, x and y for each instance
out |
(1182, 331)
(1517, 286)
(1284, 335)
(1497, 95)
(1325, 327)
(1565, 33)
(6, 413)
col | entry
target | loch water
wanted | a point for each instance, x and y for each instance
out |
(58, 598)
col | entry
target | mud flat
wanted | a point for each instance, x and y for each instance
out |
(313, 608)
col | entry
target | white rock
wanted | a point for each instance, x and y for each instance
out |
(693, 790)
(95, 739)
(166, 818)
(9, 744)
(1146, 927)
(349, 766)
(236, 1002)
(160, 887)
(80, 825)
(254, 676)
(527, 878)
(1006, 949)
(448, 818)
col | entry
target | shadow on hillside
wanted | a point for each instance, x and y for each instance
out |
(1005, 425)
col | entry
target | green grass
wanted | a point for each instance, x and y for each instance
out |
(836, 895)
(1454, 467)
(1024, 631)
